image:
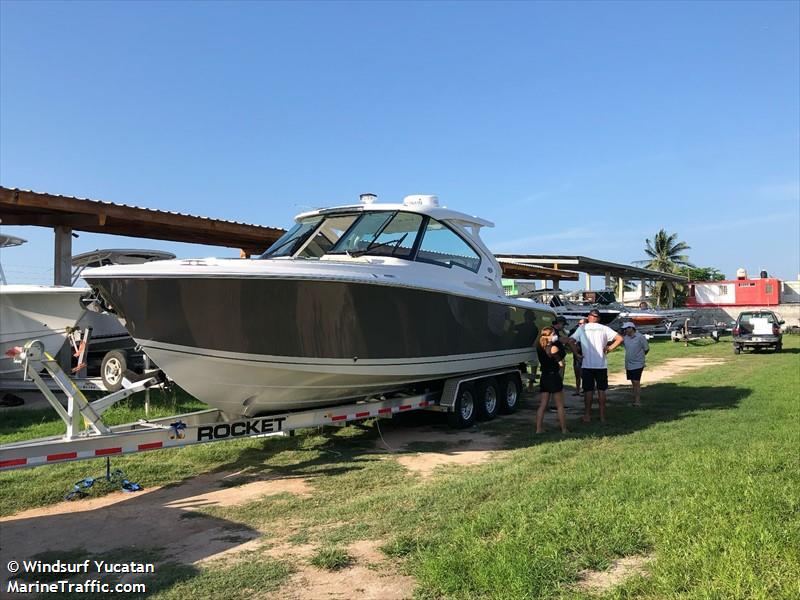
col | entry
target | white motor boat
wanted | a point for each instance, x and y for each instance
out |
(30, 312)
(566, 305)
(36, 312)
(352, 302)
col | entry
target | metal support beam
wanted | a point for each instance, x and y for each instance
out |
(62, 263)
(62, 275)
(588, 282)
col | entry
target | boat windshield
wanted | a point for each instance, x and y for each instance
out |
(392, 233)
(328, 233)
(381, 233)
(290, 241)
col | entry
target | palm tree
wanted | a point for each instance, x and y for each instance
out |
(665, 254)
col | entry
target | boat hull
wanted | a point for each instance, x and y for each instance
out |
(257, 345)
(29, 312)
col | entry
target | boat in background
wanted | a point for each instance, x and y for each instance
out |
(28, 312)
(571, 307)
(352, 302)
(8, 241)
(108, 333)
(651, 320)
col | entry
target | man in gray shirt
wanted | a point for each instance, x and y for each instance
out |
(636, 347)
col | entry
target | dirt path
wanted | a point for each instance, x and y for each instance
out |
(160, 517)
(667, 369)
(371, 576)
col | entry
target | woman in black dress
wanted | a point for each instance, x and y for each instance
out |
(551, 354)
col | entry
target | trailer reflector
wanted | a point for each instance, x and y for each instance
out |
(62, 456)
(151, 446)
(339, 418)
(14, 462)
(106, 451)
(362, 414)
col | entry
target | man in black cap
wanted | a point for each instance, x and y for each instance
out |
(596, 341)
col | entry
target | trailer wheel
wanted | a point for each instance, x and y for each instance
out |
(112, 370)
(509, 394)
(463, 414)
(737, 349)
(488, 399)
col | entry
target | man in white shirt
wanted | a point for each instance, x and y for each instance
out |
(596, 341)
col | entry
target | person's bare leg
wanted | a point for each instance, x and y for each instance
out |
(601, 400)
(544, 397)
(587, 403)
(637, 391)
(562, 417)
(577, 380)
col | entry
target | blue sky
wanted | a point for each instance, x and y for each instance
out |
(578, 128)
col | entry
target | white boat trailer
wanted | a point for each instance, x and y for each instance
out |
(88, 437)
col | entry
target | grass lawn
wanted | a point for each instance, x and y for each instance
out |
(704, 479)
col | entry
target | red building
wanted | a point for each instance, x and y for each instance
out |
(738, 292)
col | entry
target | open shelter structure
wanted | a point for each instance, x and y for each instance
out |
(593, 266)
(66, 214)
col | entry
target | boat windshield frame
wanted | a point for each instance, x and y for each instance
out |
(293, 242)
(294, 239)
(385, 248)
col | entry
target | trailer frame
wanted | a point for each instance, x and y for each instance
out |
(88, 437)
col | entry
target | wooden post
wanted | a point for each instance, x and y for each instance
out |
(607, 281)
(62, 275)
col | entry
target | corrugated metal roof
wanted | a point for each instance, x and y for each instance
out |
(153, 210)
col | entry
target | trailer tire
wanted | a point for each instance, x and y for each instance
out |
(487, 399)
(113, 369)
(737, 349)
(510, 393)
(463, 414)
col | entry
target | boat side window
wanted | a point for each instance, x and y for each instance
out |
(381, 233)
(442, 246)
(290, 241)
